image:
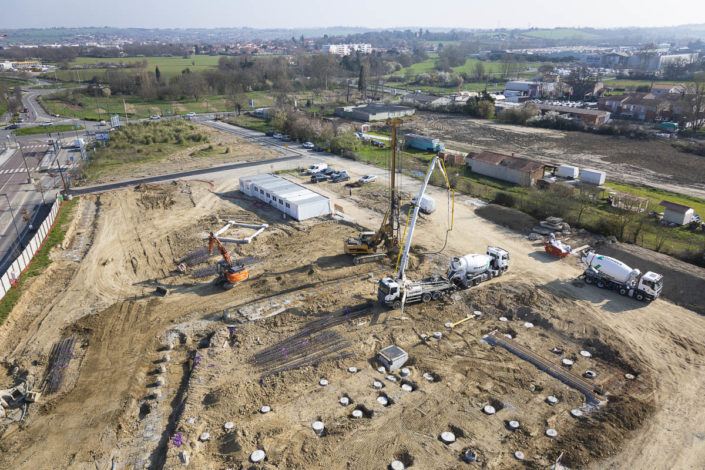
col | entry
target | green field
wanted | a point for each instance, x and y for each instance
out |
(168, 66)
(46, 129)
(655, 196)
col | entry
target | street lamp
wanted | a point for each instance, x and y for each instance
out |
(19, 240)
(24, 159)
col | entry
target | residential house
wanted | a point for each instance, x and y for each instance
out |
(593, 117)
(658, 89)
(509, 168)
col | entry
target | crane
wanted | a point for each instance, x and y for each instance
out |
(363, 248)
(397, 291)
(229, 275)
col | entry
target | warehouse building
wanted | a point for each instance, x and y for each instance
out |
(373, 112)
(290, 198)
(509, 168)
(677, 213)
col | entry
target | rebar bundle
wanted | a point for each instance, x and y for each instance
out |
(197, 257)
(59, 358)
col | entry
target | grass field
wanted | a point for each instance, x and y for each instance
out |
(41, 259)
(561, 34)
(13, 81)
(46, 129)
(429, 65)
(141, 143)
(655, 196)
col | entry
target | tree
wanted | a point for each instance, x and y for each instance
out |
(237, 99)
(157, 73)
(362, 81)
(582, 81)
(698, 100)
(479, 71)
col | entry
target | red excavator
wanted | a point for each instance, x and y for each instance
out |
(229, 275)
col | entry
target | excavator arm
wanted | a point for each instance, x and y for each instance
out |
(213, 241)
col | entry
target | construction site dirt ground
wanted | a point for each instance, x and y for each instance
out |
(149, 375)
(644, 162)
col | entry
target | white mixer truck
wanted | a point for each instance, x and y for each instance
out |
(470, 270)
(610, 273)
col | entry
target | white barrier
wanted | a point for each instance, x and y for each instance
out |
(10, 277)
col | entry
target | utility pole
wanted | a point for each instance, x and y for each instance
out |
(58, 165)
(125, 108)
(19, 240)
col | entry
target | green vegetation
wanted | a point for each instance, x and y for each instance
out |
(210, 150)
(141, 143)
(13, 81)
(249, 122)
(655, 196)
(41, 259)
(562, 34)
(429, 65)
(628, 84)
(54, 86)
(47, 129)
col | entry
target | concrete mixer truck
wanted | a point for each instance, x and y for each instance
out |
(470, 270)
(610, 273)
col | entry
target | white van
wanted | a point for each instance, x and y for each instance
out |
(316, 168)
(428, 204)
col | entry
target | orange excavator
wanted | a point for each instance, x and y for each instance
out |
(229, 275)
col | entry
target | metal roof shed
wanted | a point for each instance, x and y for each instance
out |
(292, 199)
(677, 213)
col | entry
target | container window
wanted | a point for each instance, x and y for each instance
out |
(281, 202)
(287, 205)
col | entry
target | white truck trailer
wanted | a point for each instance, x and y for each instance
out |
(610, 273)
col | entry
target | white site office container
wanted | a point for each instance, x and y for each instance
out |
(567, 171)
(292, 199)
(592, 176)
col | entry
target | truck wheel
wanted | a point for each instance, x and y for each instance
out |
(476, 282)
(426, 297)
(397, 304)
(622, 291)
(600, 284)
(436, 295)
(588, 280)
(639, 296)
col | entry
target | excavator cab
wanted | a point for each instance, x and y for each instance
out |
(229, 276)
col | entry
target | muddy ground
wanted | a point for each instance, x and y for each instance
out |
(150, 374)
(649, 162)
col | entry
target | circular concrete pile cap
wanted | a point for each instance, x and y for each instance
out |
(550, 432)
(590, 374)
(423, 336)
(381, 370)
(552, 400)
(502, 318)
(357, 414)
(352, 370)
(190, 420)
(438, 335)
(228, 425)
(397, 465)
(265, 409)
(629, 376)
(345, 401)
(317, 426)
(405, 372)
(576, 412)
(528, 324)
(205, 436)
(257, 456)
(448, 325)
(489, 409)
(323, 382)
(514, 425)
(377, 384)
(407, 388)
(519, 455)
(477, 312)
(391, 378)
(447, 437)
(428, 377)
(567, 362)
(383, 401)
(508, 335)
(585, 353)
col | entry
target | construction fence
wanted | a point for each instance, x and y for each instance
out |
(10, 278)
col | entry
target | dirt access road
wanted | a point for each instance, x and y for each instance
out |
(100, 289)
(647, 162)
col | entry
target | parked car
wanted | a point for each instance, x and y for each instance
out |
(190, 115)
(318, 177)
(102, 123)
(307, 145)
(45, 124)
(269, 133)
(11, 126)
(25, 110)
(286, 138)
(329, 171)
(367, 179)
(317, 168)
(155, 117)
(340, 176)
(318, 148)
(277, 135)
(20, 119)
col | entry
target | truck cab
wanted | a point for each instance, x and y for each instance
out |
(500, 258)
(650, 285)
(388, 292)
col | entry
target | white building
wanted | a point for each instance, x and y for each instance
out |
(6, 65)
(290, 198)
(346, 49)
(677, 213)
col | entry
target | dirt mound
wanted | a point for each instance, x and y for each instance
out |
(506, 217)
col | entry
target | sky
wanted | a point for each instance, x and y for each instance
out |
(486, 14)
